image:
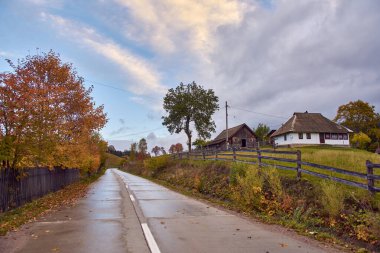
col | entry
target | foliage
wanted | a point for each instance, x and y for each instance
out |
(188, 104)
(47, 117)
(199, 143)
(156, 150)
(237, 170)
(261, 131)
(332, 198)
(249, 189)
(154, 164)
(178, 147)
(360, 116)
(113, 161)
(132, 155)
(143, 147)
(361, 140)
(163, 151)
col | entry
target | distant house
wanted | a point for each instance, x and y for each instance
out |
(311, 128)
(268, 136)
(240, 136)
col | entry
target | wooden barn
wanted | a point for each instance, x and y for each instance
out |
(239, 137)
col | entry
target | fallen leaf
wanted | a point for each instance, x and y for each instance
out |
(283, 245)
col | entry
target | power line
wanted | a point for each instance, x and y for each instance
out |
(120, 89)
(264, 114)
(147, 131)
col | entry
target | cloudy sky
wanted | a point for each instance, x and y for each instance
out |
(268, 59)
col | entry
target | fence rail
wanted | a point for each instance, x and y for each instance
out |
(296, 164)
(18, 187)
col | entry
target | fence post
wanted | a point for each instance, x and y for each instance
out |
(258, 155)
(216, 154)
(234, 152)
(370, 180)
(204, 155)
(298, 164)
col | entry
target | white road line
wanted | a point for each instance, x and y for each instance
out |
(150, 239)
(132, 198)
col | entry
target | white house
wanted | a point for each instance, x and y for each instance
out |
(311, 129)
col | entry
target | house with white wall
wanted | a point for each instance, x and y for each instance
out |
(311, 129)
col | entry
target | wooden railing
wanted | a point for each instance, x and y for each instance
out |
(261, 157)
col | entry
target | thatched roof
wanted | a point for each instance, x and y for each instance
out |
(231, 132)
(310, 123)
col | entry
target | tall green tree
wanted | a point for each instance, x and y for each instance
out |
(261, 131)
(190, 104)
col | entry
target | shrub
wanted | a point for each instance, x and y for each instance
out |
(332, 198)
(248, 191)
(155, 164)
(273, 181)
(237, 170)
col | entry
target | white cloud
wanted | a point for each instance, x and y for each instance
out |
(174, 25)
(147, 78)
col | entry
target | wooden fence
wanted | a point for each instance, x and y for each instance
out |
(18, 187)
(261, 157)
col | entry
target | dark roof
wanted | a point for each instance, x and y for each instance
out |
(270, 133)
(310, 123)
(231, 132)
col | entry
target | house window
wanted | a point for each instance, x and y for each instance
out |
(340, 136)
(327, 136)
(345, 136)
(308, 136)
(334, 136)
(300, 135)
(285, 137)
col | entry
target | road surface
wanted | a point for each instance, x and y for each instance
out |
(126, 213)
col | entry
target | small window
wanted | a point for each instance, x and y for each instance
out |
(308, 136)
(340, 136)
(300, 135)
(327, 136)
(345, 136)
(285, 137)
(334, 136)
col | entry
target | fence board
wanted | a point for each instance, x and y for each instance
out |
(18, 187)
(340, 180)
(346, 172)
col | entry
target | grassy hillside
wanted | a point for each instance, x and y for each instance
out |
(345, 158)
(114, 161)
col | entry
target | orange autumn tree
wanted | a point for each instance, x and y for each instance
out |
(47, 116)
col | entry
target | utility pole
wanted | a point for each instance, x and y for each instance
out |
(227, 143)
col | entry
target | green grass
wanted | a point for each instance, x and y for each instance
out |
(114, 161)
(339, 157)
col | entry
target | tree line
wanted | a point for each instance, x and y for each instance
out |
(48, 117)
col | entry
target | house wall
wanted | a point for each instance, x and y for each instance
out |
(244, 133)
(292, 139)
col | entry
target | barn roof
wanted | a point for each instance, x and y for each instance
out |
(231, 132)
(310, 123)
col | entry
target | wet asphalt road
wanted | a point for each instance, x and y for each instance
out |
(125, 213)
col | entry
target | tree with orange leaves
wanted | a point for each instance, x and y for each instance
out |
(47, 116)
